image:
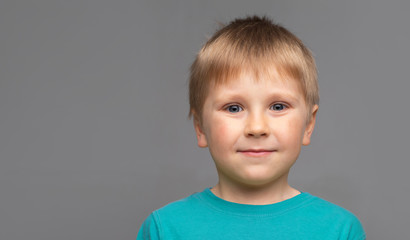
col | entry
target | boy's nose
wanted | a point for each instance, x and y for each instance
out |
(257, 126)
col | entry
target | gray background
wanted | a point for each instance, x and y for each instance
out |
(94, 132)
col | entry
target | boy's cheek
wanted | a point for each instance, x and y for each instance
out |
(221, 130)
(224, 131)
(224, 137)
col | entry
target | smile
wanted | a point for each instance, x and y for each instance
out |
(256, 152)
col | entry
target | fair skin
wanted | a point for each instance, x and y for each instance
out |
(254, 131)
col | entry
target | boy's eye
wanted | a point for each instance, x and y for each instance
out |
(277, 107)
(234, 108)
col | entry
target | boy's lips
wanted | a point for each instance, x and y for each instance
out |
(256, 152)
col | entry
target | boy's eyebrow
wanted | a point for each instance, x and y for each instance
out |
(274, 95)
(286, 96)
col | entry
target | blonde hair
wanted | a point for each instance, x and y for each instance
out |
(253, 44)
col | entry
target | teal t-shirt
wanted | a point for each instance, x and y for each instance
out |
(206, 216)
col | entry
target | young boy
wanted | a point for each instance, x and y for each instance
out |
(253, 96)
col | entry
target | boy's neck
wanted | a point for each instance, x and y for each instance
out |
(273, 193)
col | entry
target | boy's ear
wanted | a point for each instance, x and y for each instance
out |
(200, 136)
(310, 126)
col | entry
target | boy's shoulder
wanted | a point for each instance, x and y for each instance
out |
(325, 207)
(181, 207)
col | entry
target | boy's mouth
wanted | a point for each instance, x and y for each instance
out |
(256, 152)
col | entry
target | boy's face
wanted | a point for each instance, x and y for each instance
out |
(255, 129)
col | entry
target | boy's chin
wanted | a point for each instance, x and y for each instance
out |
(259, 182)
(255, 177)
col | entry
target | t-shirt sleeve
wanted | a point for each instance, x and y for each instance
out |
(149, 229)
(356, 230)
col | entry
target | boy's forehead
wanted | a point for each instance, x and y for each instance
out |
(270, 75)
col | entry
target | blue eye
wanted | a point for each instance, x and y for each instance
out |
(277, 107)
(234, 108)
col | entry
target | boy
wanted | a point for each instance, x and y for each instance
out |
(253, 97)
